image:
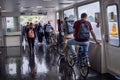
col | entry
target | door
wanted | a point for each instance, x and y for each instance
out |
(112, 37)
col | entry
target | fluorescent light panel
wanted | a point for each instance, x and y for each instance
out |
(47, 0)
(38, 6)
(3, 10)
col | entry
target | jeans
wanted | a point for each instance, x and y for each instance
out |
(71, 42)
(31, 43)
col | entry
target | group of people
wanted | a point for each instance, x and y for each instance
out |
(80, 30)
(36, 31)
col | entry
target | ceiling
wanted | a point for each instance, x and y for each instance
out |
(35, 5)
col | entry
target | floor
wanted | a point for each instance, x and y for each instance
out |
(43, 68)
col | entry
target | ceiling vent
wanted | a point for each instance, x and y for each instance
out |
(65, 3)
(22, 13)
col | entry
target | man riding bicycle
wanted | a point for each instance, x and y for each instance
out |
(81, 31)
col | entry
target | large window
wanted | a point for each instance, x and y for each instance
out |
(69, 13)
(34, 19)
(93, 12)
(112, 18)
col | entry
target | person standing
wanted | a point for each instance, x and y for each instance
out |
(48, 29)
(40, 32)
(31, 36)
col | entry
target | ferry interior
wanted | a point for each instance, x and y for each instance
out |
(46, 62)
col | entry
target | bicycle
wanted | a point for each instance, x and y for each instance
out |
(52, 48)
(82, 62)
(51, 39)
(67, 72)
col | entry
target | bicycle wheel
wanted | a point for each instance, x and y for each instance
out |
(67, 73)
(70, 59)
(49, 50)
(83, 67)
(71, 74)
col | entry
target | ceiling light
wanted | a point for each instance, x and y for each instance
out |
(35, 10)
(49, 7)
(23, 9)
(47, 0)
(38, 6)
(3, 10)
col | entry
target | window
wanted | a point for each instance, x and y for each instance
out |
(12, 24)
(69, 13)
(112, 18)
(57, 14)
(56, 23)
(93, 12)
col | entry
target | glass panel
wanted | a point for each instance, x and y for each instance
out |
(34, 19)
(93, 12)
(12, 24)
(69, 13)
(57, 15)
(113, 25)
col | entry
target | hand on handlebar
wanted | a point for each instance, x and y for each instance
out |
(52, 30)
(98, 43)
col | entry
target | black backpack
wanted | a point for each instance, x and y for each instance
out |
(84, 31)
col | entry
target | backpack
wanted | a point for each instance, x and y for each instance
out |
(31, 33)
(83, 31)
(69, 27)
(48, 28)
(36, 27)
(40, 29)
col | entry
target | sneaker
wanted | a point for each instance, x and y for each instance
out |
(74, 56)
(88, 63)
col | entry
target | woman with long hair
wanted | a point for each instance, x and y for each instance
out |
(31, 36)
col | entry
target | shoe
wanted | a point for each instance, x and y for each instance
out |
(88, 63)
(74, 56)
